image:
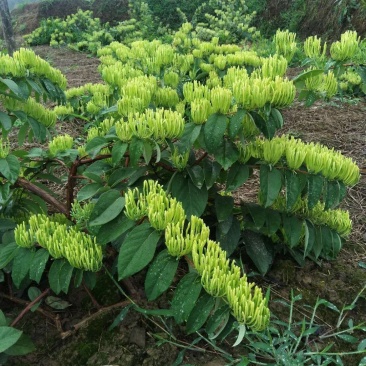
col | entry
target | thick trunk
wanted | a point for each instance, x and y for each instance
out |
(7, 26)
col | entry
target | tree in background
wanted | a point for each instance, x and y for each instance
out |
(7, 26)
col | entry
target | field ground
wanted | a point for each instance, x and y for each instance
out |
(340, 124)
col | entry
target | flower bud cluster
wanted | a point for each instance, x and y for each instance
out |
(180, 160)
(349, 79)
(81, 213)
(166, 97)
(195, 90)
(317, 158)
(285, 44)
(234, 74)
(35, 110)
(60, 143)
(313, 48)
(221, 99)
(159, 125)
(273, 66)
(345, 48)
(171, 79)
(62, 241)
(63, 110)
(4, 148)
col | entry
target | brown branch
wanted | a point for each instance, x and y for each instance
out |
(23, 183)
(200, 158)
(100, 312)
(29, 306)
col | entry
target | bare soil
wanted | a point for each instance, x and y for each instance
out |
(341, 124)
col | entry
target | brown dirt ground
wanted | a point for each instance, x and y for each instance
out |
(341, 125)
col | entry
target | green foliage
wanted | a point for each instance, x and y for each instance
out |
(171, 134)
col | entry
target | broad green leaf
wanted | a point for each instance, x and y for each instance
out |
(185, 296)
(227, 154)
(362, 345)
(332, 243)
(137, 250)
(292, 227)
(90, 279)
(223, 206)
(348, 338)
(109, 205)
(211, 171)
(9, 168)
(315, 189)
(3, 320)
(228, 234)
(190, 134)
(33, 293)
(237, 176)
(119, 317)
(6, 224)
(218, 319)
(13, 86)
(21, 265)
(194, 200)
(5, 121)
(236, 123)
(258, 215)
(200, 313)
(292, 189)
(258, 250)
(78, 277)
(65, 276)
(57, 303)
(147, 151)
(118, 151)
(7, 253)
(273, 221)
(23, 346)
(88, 191)
(160, 275)
(119, 175)
(318, 242)
(277, 118)
(309, 237)
(38, 264)
(267, 127)
(54, 275)
(94, 146)
(136, 149)
(114, 229)
(241, 335)
(38, 129)
(197, 175)
(8, 337)
(332, 194)
(214, 130)
(270, 184)
(299, 80)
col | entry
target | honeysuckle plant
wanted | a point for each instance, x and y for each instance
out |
(171, 135)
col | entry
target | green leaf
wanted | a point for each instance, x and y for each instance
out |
(3, 321)
(54, 275)
(6, 224)
(237, 176)
(227, 154)
(211, 171)
(118, 151)
(137, 250)
(57, 303)
(14, 88)
(119, 175)
(315, 189)
(194, 200)
(228, 234)
(318, 242)
(292, 189)
(218, 319)
(90, 279)
(332, 195)
(160, 275)
(197, 175)
(258, 250)
(136, 150)
(119, 317)
(38, 264)
(88, 191)
(190, 134)
(109, 205)
(94, 146)
(10, 168)
(270, 184)
(114, 229)
(147, 151)
(277, 118)
(292, 227)
(241, 335)
(65, 276)
(362, 345)
(7, 253)
(348, 338)
(21, 265)
(258, 215)
(236, 123)
(185, 296)
(332, 243)
(223, 206)
(200, 313)
(23, 346)
(214, 130)
(268, 128)
(5, 121)
(309, 237)
(273, 221)
(299, 80)
(8, 337)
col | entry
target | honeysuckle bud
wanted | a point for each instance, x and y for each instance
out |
(157, 204)
(313, 82)
(201, 109)
(313, 48)
(244, 58)
(329, 84)
(63, 110)
(81, 213)
(220, 62)
(221, 99)
(195, 90)
(285, 44)
(351, 77)
(4, 148)
(273, 149)
(206, 67)
(128, 105)
(346, 47)
(283, 92)
(234, 74)
(245, 153)
(166, 97)
(179, 160)
(60, 143)
(295, 153)
(273, 66)
(213, 80)
(24, 237)
(171, 78)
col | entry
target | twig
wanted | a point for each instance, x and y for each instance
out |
(100, 312)
(21, 182)
(29, 306)
(92, 298)
(200, 158)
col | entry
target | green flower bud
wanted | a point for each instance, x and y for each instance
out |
(313, 49)
(135, 205)
(201, 109)
(4, 148)
(295, 153)
(285, 44)
(273, 66)
(346, 47)
(180, 160)
(171, 78)
(166, 97)
(273, 149)
(60, 143)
